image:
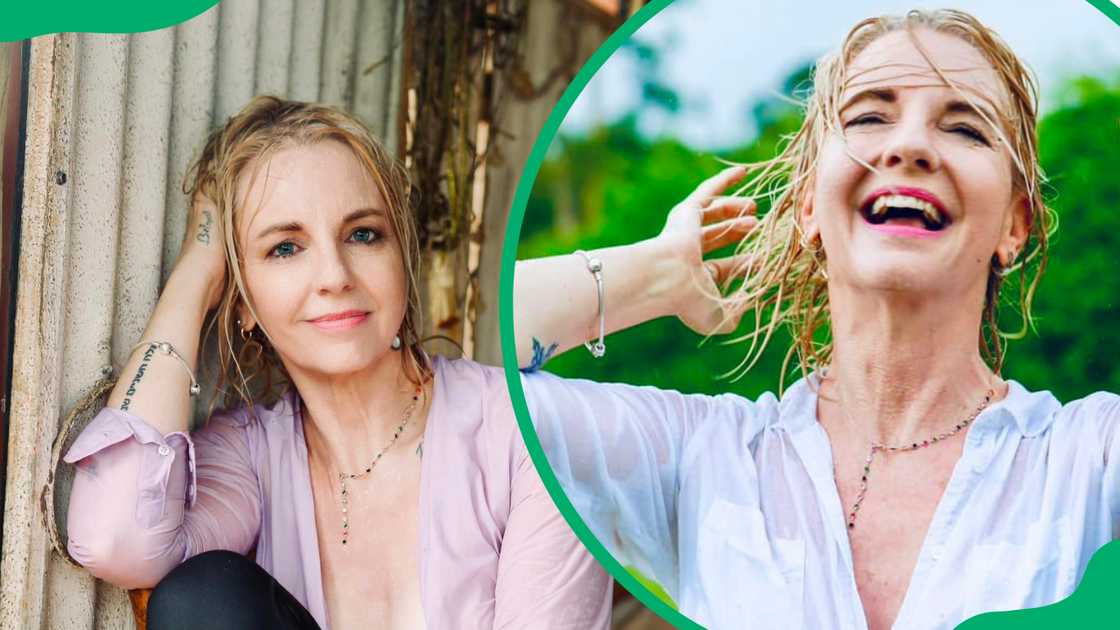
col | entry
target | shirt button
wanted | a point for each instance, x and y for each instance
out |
(163, 450)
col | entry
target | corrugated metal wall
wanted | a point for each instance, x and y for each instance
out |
(113, 122)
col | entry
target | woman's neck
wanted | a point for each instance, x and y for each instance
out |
(349, 419)
(905, 370)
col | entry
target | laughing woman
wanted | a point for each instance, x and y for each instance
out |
(902, 482)
(380, 487)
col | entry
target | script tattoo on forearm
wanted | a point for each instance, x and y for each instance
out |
(540, 355)
(136, 379)
(203, 235)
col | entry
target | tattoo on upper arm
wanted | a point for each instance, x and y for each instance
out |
(148, 354)
(203, 235)
(540, 355)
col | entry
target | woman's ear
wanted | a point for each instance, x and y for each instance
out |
(1016, 229)
(807, 218)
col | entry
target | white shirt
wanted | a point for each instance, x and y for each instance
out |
(731, 505)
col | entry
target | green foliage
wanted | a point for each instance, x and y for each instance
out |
(1075, 349)
(614, 186)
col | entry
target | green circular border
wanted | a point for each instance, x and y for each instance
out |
(517, 394)
(505, 312)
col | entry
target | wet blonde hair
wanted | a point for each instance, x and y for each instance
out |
(248, 366)
(787, 283)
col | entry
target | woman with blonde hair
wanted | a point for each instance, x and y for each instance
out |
(902, 482)
(375, 486)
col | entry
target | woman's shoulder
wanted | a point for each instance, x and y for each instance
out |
(1080, 426)
(1099, 411)
(728, 416)
(470, 395)
(545, 384)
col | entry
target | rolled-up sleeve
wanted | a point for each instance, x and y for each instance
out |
(142, 502)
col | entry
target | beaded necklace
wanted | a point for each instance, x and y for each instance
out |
(344, 477)
(878, 446)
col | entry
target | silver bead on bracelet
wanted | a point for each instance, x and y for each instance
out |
(595, 266)
(169, 350)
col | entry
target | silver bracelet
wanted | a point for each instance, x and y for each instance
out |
(595, 266)
(169, 350)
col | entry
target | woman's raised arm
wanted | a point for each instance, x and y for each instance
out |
(556, 301)
(136, 466)
(153, 385)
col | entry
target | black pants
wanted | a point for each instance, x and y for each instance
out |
(223, 590)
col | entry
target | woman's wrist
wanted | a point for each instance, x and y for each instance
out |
(192, 287)
(667, 278)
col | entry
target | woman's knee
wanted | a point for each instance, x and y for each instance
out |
(216, 589)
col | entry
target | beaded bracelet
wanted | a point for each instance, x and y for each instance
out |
(595, 266)
(169, 350)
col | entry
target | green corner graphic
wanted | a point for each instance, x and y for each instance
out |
(28, 19)
(1088, 607)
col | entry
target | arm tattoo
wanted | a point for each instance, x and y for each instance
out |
(203, 235)
(136, 379)
(420, 450)
(540, 356)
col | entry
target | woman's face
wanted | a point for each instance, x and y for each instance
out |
(940, 201)
(321, 263)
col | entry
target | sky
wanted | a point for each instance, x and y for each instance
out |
(722, 55)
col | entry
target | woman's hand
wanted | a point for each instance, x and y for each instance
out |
(203, 254)
(705, 221)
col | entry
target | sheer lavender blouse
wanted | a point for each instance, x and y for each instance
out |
(494, 552)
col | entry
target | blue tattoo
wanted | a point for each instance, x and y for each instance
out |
(540, 355)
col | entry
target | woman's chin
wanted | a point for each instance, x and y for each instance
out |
(340, 363)
(898, 274)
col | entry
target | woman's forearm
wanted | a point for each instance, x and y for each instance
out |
(153, 385)
(556, 300)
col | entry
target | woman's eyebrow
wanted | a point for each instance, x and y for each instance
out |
(362, 213)
(964, 107)
(885, 95)
(290, 226)
(295, 226)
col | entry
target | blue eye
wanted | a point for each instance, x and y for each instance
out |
(365, 236)
(283, 250)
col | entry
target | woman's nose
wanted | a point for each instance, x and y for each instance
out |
(910, 148)
(333, 274)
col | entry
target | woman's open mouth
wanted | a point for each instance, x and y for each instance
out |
(905, 212)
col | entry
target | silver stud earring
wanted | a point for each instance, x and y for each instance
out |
(396, 342)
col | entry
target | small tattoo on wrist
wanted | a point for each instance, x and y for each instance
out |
(203, 235)
(540, 355)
